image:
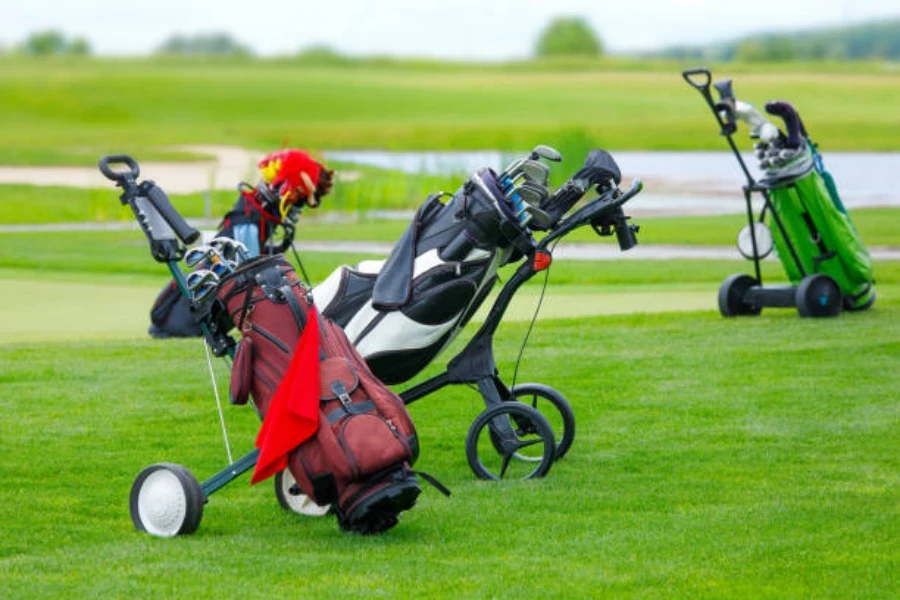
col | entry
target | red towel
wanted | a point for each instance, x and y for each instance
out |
(293, 414)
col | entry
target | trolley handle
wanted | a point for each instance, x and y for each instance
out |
(160, 201)
(106, 167)
(699, 78)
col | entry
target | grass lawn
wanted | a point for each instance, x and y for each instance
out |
(714, 458)
(735, 458)
(71, 111)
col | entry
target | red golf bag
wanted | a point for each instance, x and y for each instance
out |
(357, 441)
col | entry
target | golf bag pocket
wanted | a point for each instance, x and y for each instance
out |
(241, 372)
(354, 440)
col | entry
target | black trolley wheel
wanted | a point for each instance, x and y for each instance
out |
(818, 295)
(559, 413)
(510, 440)
(732, 293)
(166, 500)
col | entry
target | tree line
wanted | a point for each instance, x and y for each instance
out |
(562, 37)
(878, 40)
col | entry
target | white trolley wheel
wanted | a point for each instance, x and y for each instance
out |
(298, 503)
(166, 500)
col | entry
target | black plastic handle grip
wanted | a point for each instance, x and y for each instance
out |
(791, 119)
(725, 89)
(105, 164)
(160, 201)
(692, 76)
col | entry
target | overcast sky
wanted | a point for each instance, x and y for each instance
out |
(464, 29)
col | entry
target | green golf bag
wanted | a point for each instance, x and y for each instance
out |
(813, 218)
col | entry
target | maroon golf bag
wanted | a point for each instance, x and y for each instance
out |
(358, 458)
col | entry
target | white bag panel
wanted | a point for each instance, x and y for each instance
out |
(324, 293)
(398, 332)
(370, 266)
(360, 321)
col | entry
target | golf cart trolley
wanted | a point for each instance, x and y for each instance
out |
(511, 438)
(814, 237)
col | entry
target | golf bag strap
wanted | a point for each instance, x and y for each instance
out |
(434, 482)
(355, 408)
(296, 308)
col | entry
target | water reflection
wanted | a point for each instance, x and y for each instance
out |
(675, 182)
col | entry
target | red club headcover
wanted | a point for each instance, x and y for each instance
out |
(284, 170)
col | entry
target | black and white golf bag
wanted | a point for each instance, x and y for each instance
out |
(401, 312)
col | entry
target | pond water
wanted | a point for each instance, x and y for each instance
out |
(674, 182)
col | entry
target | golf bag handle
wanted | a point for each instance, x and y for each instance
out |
(160, 201)
(119, 177)
(792, 122)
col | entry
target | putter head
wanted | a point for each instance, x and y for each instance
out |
(546, 152)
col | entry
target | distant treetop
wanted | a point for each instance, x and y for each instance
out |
(52, 42)
(204, 44)
(568, 36)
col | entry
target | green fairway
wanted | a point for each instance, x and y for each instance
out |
(71, 111)
(747, 458)
(105, 308)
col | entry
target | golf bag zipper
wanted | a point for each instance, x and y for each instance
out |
(270, 337)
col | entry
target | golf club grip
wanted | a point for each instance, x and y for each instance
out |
(105, 165)
(690, 76)
(791, 119)
(160, 201)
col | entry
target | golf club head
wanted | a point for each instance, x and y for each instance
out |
(194, 256)
(532, 170)
(199, 277)
(546, 152)
(224, 245)
(229, 248)
(532, 193)
(220, 269)
(204, 290)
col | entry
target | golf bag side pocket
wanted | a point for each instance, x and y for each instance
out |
(241, 372)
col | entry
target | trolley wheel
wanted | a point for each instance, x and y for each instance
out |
(732, 293)
(519, 443)
(554, 407)
(818, 295)
(291, 498)
(166, 500)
